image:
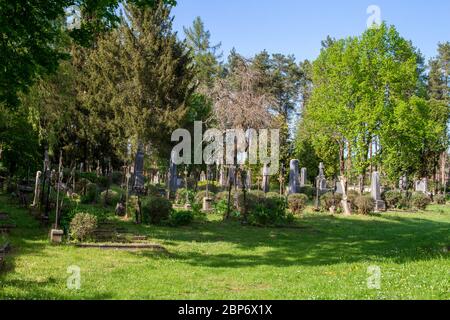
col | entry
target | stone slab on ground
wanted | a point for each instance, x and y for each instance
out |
(125, 247)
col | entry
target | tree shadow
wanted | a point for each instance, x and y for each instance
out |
(325, 241)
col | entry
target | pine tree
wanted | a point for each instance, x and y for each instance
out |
(139, 79)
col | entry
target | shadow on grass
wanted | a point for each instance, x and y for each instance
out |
(326, 240)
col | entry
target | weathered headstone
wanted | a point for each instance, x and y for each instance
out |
(403, 183)
(37, 189)
(202, 176)
(380, 205)
(422, 185)
(339, 189)
(266, 179)
(249, 180)
(173, 178)
(222, 177)
(231, 175)
(303, 177)
(139, 182)
(294, 180)
(321, 179)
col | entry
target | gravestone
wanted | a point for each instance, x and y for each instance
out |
(222, 177)
(303, 177)
(202, 176)
(339, 189)
(422, 185)
(266, 179)
(321, 179)
(231, 175)
(294, 181)
(403, 183)
(37, 189)
(173, 178)
(139, 182)
(380, 205)
(249, 180)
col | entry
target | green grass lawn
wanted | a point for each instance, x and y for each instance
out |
(326, 257)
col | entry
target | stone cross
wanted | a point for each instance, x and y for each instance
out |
(380, 205)
(294, 182)
(266, 179)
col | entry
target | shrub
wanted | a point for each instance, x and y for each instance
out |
(420, 200)
(329, 200)
(202, 194)
(271, 212)
(309, 191)
(156, 209)
(392, 198)
(110, 197)
(222, 196)
(155, 190)
(212, 186)
(82, 226)
(297, 203)
(365, 204)
(181, 195)
(91, 195)
(103, 182)
(270, 194)
(352, 195)
(181, 218)
(117, 178)
(404, 203)
(440, 199)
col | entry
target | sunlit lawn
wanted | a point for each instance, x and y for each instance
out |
(324, 257)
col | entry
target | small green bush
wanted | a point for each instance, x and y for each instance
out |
(392, 198)
(352, 195)
(110, 197)
(212, 186)
(103, 182)
(117, 178)
(181, 218)
(91, 195)
(404, 203)
(440, 199)
(222, 196)
(91, 176)
(182, 193)
(329, 200)
(156, 209)
(202, 194)
(297, 203)
(420, 200)
(271, 212)
(365, 204)
(309, 191)
(83, 226)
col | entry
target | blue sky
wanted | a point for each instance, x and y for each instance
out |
(297, 26)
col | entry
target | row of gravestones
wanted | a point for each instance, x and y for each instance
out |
(297, 181)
